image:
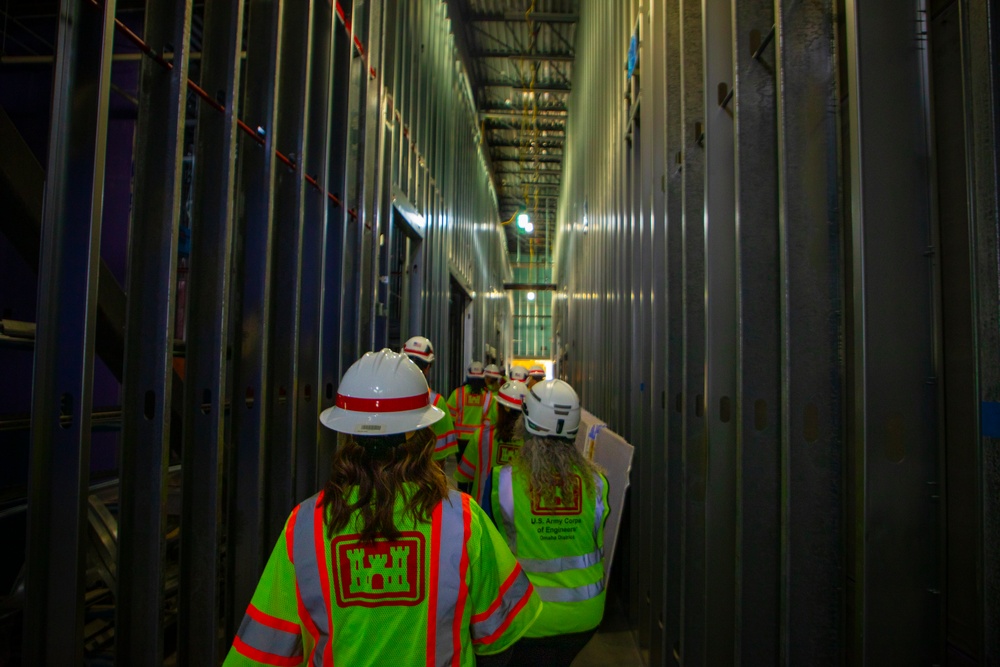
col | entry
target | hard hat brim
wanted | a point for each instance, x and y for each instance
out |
(379, 423)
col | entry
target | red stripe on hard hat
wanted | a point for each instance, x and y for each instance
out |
(383, 404)
(508, 398)
(417, 352)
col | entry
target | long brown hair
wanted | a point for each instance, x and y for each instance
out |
(549, 464)
(508, 423)
(379, 474)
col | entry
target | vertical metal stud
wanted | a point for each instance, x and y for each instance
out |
(673, 399)
(693, 620)
(811, 317)
(897, 569)
(246, 545)
(64, 346)
(318, 212)
(981, 54)
(149, 339)
(286, 251)
(212, 213)
(759, 385)
(721, 323)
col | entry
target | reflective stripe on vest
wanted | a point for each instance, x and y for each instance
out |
(312, 579)
(506, 493)
(549, 565)
(599, 508)
(268, 639)
(451, 525)
(514, 593)
(485, 459)
(578, 594)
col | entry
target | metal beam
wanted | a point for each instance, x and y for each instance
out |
(213, 209)
(149, 334)
(542, 114)
(55, 579)
(531, 57)
(534, 287)
(519, 88)
(521, 17)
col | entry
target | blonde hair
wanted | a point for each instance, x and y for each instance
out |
(549, 464)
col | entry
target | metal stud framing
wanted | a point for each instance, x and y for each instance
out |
(811, 386)
(64, 347)
(213, 212)
(326, 124)
(149, 334)
(802, 472)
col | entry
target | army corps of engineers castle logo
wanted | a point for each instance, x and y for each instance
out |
(560, 506)
(380, 573)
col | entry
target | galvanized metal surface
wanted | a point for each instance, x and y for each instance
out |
(64, 348)
(758, 397)
(212, 213)
(897, 564)
(149, 335)
(252, 309)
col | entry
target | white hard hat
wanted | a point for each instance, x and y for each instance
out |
(519, 373)
(420, 348)
(512, 394)
(552, 408)
(537, 371)
(493, 372)
(475, 370)
(382, 393)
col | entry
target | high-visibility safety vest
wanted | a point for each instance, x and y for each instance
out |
(442, 592)
(561, 547)
(490, 452)
(469, 410)
(444, 430)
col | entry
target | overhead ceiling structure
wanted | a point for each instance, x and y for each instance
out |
(519, 55)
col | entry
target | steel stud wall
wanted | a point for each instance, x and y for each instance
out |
(309, 123)
(769, 214)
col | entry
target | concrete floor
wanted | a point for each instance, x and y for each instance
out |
(613, 644)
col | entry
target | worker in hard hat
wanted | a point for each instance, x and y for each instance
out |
(421, 352)
(550, 483)
(519, 374)
(386, 565)
(535, 375)
(493, 378)
(469, 404)
(494, 443)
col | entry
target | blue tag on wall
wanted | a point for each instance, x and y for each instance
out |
(989, 418)
(633, 54)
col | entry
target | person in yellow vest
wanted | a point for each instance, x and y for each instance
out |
(535, 375)
(494, 443)
(494, 378)
(470, 404)
(519, 374)
(386, 565)
(551, 505)
(421, 352)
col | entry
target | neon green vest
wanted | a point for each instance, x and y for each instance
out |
(443, 591)
(485, 452)
(560, 546)
(469, 410)
(444, 430)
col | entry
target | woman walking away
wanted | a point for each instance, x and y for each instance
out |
(551, 506)
(385, 566)
(494, 443)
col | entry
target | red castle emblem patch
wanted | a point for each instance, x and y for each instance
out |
(379, 574)
(505, 452)
(561, 506)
